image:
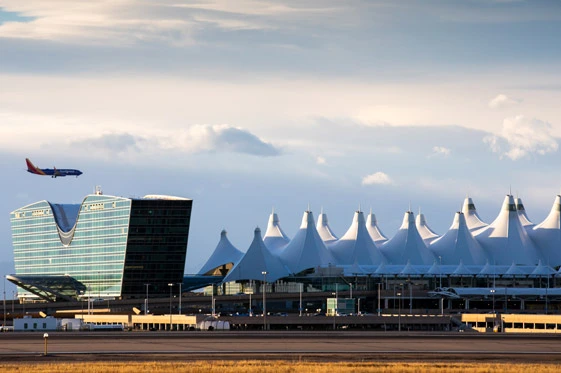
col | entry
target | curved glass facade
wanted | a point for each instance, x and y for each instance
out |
(113, 245)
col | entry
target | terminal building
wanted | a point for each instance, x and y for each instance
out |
(106, 247)
(111, 247)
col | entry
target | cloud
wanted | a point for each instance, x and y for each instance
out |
(523, 137)
(503, 101)
(141, 21)
(377, 178)
(493, 142)
(195, 139)
(320, 160)
(114, 143)
(219, 138)
(440, 150)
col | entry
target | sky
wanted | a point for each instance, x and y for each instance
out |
(247, 106)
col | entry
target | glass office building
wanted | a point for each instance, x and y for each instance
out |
(107, 247)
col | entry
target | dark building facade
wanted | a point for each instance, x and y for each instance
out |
(107, 247)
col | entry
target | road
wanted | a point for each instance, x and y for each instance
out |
(324, 346)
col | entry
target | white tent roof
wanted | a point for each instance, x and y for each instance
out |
(356, 245)
(526, 223)
(353, 270)
(506, 239)
(256, 260)
(541, 270)
(411, 270)
(462, 270)
(515, 271)
(427, 234)
(373, 229)
(225, 253)
(407, 244)
(435, 269)
(547, 235)
(458, 244)
(473, 220)
(306, 250)
(389, 269)
(324, 230)
(490, 270)
(275, 239)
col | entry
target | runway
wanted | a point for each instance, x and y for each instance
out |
(321, 346)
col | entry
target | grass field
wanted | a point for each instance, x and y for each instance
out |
(256, 366)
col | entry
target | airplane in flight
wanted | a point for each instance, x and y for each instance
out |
(52, 172)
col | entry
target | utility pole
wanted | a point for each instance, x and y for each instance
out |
(146, 300)
(264, 289)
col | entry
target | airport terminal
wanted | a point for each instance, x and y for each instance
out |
(103, 259)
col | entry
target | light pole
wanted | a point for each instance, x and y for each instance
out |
(379, 309)
(4, 324)
(249, 311)
(336, 299)
(410, 299)
(300, 308)
(170, 287)
(264, 289)
(45, 337)
(399, 312)
(547, 287)
(440, 272)
(146, 300)
(180, 286)
(212, 302)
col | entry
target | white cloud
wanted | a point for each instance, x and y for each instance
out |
(132, 21)
(321, 160)
(493, 142)
(440, 150)
(503, 101)
(377, 178)
(523, 137)
(195, 139)
(107, 22)
(527, 136)
(220, 138)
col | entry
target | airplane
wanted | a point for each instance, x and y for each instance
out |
(52, 172)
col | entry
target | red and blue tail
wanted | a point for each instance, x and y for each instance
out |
(32, 168)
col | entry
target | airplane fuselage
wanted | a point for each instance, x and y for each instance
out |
(52, 172)
(55, 172)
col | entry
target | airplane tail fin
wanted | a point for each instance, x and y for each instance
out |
(32, 168)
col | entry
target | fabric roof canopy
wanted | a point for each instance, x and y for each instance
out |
(458, 244)
(374, 231)
(356, 245)
(306, 250)
(275, 239)
(257, 259)
(224, 257)
(324, 230)
(506, 239)
(407, 244)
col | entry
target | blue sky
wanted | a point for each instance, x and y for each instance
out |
(249, 105)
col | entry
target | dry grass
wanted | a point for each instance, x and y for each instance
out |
(255, 366)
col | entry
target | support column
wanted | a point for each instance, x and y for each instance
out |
(467, 304)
